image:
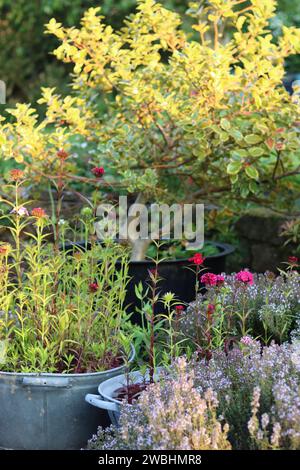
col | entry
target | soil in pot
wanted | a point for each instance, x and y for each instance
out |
(130, 393)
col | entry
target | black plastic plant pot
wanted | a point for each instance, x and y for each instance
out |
(176, 277)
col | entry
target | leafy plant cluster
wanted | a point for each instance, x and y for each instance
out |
(267, 309)
(24, 51)
(61, 310)
(200, 118)
(247, 398)
(225, 101)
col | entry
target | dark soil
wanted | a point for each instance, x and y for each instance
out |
(130, 393)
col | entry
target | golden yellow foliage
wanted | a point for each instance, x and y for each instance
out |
(213, 109)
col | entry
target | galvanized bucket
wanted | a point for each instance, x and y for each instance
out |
(48, 411)
(107, 389)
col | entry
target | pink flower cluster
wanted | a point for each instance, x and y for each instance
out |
(245, 277)
(211, 279)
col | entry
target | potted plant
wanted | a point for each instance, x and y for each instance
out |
(254, 391)
(219, 328)
(159, 341)
(171, 414)
(61, 332)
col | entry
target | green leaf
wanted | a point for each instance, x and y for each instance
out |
(253, 187)
(233, 168)
(244, 191)
(225, 124)
(253, 139)
(224, 136)
(256, 151)
(240, 153)
(138, 288)
(215, 128)
(252, 172)
(234, 179)
(237, 135)
(262, 127)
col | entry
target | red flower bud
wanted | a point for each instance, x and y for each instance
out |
(153, 272)
(62, 154)
(210, 309)
(4, 249)
(93, 287)
(98, 171)
(197, 259)
(179, 309)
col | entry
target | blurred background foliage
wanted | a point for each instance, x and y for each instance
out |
(25, 52)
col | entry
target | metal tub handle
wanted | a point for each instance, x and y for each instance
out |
(96, 400)
(53, 382)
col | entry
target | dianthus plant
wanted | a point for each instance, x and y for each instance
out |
(60, 310)
(264, 306)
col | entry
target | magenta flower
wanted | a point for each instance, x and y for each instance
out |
(245, 277)
(209, 279)
(220, 279)
(179, 308)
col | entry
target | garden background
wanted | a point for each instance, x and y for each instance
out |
(92, 321)
(27, 64)
(25, 51)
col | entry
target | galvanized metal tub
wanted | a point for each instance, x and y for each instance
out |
(48, 411)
